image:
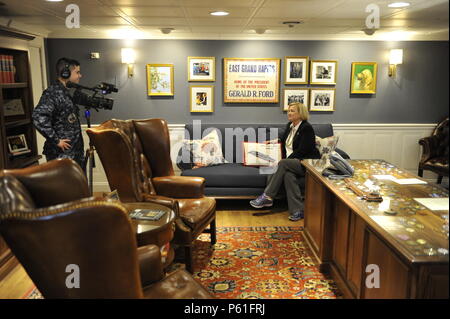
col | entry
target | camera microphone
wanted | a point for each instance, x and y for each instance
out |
(77, 86)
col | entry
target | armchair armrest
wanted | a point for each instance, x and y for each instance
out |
(179, 186)
(150, 265)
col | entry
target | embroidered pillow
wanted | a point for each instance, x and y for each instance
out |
(207, 151)
(326, 147)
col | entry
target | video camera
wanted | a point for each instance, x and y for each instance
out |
(94, 101)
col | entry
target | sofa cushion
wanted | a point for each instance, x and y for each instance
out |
(207, 151)
(229, 175)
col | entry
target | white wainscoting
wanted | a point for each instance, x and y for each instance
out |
(395, 143)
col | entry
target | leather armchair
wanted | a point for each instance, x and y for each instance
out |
(435, 151)
(95, 235)
(136, 157)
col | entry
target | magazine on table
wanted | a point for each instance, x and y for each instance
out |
(147, 214)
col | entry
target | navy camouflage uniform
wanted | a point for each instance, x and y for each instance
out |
(56, 117)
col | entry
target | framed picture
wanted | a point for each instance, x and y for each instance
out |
(323, 72)
(322, 100)
(296, 69)
(160, 80)
(13, 107)
(17, 144)
(364, 78)
(201, 69)
(202, 98)
(295, 95)
(251, 80)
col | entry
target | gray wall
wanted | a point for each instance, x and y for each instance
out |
(419, 93)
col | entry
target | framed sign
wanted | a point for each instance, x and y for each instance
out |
(251, 80)
(323, 72)
(13, 107)
(295, 95)
(296, 69)
(17, 144)
(322, 100)
(160, 80)
(364, 78)
(201, 69)
(261, 154)
(202, 98)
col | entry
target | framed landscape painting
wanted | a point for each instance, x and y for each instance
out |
(296, 69)
(160, 80)
(295, 95)
(364, 78)
(201, 69)
(323, 72)
(322, 100)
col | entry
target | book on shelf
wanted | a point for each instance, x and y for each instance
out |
(147, 214)
(7, 69)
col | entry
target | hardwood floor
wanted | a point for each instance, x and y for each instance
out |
(229, 213)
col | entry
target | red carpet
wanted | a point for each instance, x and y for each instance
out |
(257, 263)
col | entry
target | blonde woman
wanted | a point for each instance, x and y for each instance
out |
(297, 143)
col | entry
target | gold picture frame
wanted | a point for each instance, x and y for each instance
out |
(160, 80)
(201, 69)
(291, 95)
(322, 99)
(323, 72)
(201, 98)
(296, 70)
(251, 80)
(363, 79)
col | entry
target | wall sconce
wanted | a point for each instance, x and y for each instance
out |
(129, 57)
(395, 58)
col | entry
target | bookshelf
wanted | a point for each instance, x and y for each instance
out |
(18, 146)
(16, 126)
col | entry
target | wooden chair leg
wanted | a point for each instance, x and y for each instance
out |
(212, 227)
(439, 180)
(420, 173)
(188, 258)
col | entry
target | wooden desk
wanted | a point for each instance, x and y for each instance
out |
(158, 232)
(346, 234)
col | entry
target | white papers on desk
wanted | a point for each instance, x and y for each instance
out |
(434, 203)
(409, 181)
(402, 181)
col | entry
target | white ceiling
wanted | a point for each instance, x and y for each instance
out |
(190, 19)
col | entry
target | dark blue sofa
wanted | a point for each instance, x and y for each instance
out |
(234, 180)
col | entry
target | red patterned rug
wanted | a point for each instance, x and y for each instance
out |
(257, 263)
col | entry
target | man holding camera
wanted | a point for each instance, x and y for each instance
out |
(56, 116)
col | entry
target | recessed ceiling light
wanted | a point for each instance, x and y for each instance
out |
(399, 4)
(219, 13)
(54, 0)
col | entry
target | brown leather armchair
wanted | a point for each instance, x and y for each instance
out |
(94, 235)
(136, 157)
(435, 151)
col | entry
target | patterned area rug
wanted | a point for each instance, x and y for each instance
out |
(260, 263)
(256, 263)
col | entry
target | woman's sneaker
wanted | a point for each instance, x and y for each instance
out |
(261, 201)
(296, 216)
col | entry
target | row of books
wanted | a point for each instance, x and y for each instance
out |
(7, 69)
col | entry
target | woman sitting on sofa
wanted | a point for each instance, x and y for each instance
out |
(297, 143)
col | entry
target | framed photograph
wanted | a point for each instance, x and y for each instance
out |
(364, 78)
(323, 72)
(296, 69)
(201, 69)
(251, 80)
(322, 100)
(202, 98)
(160, 80)
(17, 144)
(13, 107)
(295, 95)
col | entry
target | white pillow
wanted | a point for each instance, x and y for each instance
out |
(326, 147)
(207, 151)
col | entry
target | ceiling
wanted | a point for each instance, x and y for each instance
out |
(248, 19)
